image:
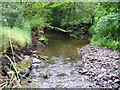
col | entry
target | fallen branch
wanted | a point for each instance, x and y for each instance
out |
(60, 29)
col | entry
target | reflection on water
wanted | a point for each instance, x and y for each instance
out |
(60, 44)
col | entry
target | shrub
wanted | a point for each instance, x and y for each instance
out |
(107, 31)
(36, 22)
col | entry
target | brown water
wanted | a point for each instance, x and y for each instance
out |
(60, 44)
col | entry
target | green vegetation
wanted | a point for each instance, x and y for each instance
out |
(74, 18)
(15, 35)
(77, 19)
(16, 28)
(106, 31)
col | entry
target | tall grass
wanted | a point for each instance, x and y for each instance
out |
(18, 36)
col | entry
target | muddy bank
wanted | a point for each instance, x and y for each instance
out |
(102, 66)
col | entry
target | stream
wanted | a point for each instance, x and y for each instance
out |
(61, 70)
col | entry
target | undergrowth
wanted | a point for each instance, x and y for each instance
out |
(107, 31)
(36, 22)
(18, 36)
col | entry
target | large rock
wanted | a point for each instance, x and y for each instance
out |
(23, 67)
(40, 46)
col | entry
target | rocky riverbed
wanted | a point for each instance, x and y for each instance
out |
(99, 68)
(59, 73)
(93, 66)
(102, 66)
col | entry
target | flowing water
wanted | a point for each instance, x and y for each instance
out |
(63, 65)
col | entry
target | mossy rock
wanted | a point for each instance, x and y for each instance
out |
(24, 65)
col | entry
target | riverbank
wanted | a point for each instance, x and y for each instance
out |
(90, 67)
(102, 66)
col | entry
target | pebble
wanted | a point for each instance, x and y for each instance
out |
(102, 63)
(27, 57)
(35, 65)
(117, 81)
(35, 60)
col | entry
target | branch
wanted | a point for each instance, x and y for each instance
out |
(60, 29)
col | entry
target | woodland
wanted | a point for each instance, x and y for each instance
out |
(23, 24)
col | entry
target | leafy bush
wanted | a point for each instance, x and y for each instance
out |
(12, 14)
(107, 31)
(36, 22)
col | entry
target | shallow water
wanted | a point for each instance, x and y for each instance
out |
(60, 44)
(63, 65)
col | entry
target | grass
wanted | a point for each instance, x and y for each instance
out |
(9, 36)
(18, 36)
(106, 42)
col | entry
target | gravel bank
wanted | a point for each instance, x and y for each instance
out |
(102, 66)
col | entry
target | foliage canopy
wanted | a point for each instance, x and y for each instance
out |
(101, 18)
